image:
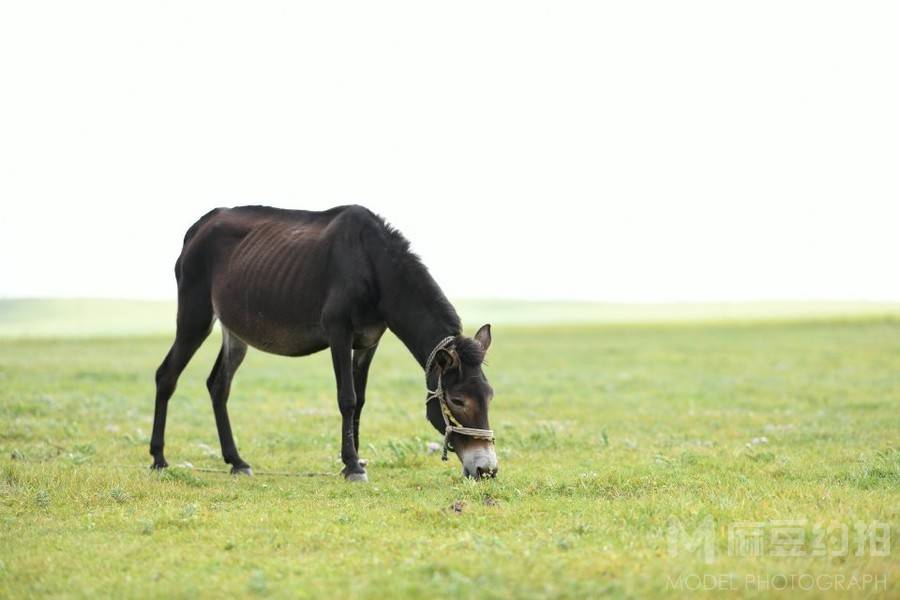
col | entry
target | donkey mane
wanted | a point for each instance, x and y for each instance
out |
(415, 273)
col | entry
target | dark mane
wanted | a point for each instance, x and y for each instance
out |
(416, 273)
(398, 240)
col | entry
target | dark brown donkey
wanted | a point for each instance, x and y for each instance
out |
(293, 282)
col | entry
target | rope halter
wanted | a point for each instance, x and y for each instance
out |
(451, 424)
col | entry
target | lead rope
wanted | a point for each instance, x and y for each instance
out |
(451, 425)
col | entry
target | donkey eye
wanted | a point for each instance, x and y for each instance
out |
(457, 401)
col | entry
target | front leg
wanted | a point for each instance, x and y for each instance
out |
(341, 357)
(362, 358)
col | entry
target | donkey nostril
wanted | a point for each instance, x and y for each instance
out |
(484, 472)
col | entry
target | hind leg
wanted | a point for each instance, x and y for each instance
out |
(195, 319)
(219, 383)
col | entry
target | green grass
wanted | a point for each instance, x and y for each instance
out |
(607, 434)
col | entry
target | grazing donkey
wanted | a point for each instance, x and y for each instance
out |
(294, 282)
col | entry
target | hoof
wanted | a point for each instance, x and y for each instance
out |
(357, 474)
(245, 470)
(159, 466)
(357, 477)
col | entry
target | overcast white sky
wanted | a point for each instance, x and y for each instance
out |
(647, 151)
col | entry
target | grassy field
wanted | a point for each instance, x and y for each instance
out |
(621, 447)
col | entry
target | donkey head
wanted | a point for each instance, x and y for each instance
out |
(462, 402)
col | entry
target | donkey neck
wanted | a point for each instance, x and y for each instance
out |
(415, 308)
(421, 326)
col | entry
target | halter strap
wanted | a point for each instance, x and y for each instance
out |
(440, 346)
(451, 424)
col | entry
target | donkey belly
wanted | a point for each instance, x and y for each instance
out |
(269, 335)
(294, 340)
(270, 320)
(290, 325)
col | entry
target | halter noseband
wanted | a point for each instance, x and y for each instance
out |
(451, 424)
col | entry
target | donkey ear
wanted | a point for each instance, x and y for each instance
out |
(483, 336)
(446, 359)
